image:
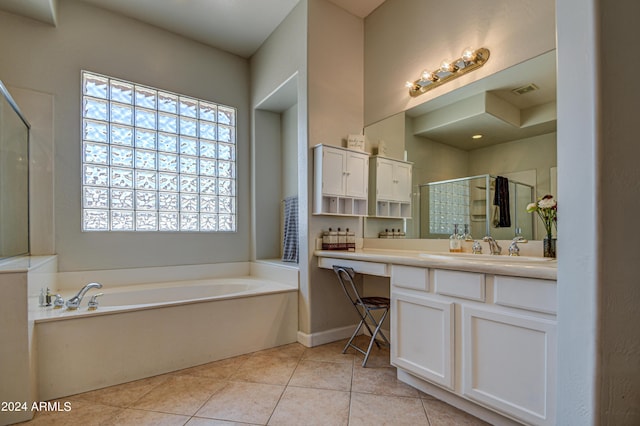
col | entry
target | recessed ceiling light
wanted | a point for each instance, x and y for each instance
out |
(476, 137)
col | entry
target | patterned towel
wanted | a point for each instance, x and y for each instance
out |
(290, 243)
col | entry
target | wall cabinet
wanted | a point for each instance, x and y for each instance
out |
(341, 179)
(390, 188)
(488, 339)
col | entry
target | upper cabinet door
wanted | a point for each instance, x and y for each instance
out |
(333, 172)
(357, 174)
(384, 179)
(402, 181)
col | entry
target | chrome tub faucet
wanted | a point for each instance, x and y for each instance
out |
(74, 302)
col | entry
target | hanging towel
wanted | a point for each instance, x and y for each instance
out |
(501, 200)
(290, 243)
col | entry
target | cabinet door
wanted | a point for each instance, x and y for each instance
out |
(402, 182)
(357, 175)
(422, 331)
(509, 363)
(333, 171)
(385, 185)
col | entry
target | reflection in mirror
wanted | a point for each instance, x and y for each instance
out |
(14, 178)
(468, 204)
(513, 110)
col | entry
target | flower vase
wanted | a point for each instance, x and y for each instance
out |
(549, 247)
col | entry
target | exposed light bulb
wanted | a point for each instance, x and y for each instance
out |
(409, 85)
(469, 54)
(428, 76)
(478, 136)
(447, 66)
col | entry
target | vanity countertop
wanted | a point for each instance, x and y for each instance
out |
(519, 266)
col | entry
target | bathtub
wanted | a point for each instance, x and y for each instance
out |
(142, 330)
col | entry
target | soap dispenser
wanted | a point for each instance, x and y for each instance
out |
(455, 242)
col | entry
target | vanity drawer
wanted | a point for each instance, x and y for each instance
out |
(466, 285)
(526, 293)
(410, 277)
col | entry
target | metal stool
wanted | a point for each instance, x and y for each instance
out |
(364, 306)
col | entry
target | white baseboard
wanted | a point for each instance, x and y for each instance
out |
(326, 336)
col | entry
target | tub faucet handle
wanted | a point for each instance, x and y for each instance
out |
(58, 302)
(93, 302)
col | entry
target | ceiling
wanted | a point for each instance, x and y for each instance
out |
(236, 26)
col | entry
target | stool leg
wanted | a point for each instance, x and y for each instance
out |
(374, 334)
(355, 333)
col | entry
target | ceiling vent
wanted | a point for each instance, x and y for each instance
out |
(525, 89)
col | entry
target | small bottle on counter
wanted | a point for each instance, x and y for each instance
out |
(351, 240)
(325, 240)
(455, 242)
(467, 234)
(384, 234)
(342, 239)
(333, 239)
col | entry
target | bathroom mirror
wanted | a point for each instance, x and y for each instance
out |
(513, 110)
(14, 178)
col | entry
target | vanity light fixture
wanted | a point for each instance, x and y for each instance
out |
(471, 59)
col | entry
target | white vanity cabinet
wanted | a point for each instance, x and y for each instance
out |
(488, 339)
(390, 188)
(341, 178)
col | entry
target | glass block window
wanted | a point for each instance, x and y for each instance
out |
(153, 160)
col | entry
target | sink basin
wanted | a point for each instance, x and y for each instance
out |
(486, 257)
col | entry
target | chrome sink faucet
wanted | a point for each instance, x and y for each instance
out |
(494, 247)
(74, 302)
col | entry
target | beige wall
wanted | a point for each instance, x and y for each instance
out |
(49, 59)
(335, 61)
(282, 57)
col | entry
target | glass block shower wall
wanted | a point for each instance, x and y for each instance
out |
(448, 205)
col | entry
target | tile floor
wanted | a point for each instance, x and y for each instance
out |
(288, 385)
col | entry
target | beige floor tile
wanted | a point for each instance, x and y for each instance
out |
(132, 417)
(243, 402)
(293, 350)
(123, 395)
(380, 381)
(265, 368)
(303, 406)
(180, 395)
(200, 421)
(379, 357)
(443, 414)
(331, 352)
(367, 409)
(220, 370)
(81, 414)
(322, 375)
